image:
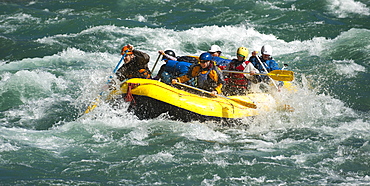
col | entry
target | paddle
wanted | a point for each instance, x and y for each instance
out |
(95, 103)
(279, 75)
(264, 68)
(155, 64)
(251, 105)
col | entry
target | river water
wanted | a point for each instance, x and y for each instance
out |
(56, 55)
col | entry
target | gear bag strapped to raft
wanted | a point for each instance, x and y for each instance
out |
(221, 62)
(187, 59)
(177, 68)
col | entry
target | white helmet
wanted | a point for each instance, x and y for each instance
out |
(266, 49)
(214, 48)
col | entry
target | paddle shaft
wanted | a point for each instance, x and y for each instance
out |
(240, 72)
(264, 68)
(96, 101)
(155, 64)
(198, 89)
(119, 63)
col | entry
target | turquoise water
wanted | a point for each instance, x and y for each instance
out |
(57, 55)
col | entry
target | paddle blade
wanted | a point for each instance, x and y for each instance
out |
(250, 105)
(93, 105)
(90, 108)
(281, 75)
(244, 103)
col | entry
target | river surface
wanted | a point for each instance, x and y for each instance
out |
(55, 56)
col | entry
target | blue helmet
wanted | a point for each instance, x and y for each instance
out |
(205, 56)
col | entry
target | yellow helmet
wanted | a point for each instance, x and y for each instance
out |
(242, 51)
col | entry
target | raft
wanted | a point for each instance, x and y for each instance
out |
(151, 98)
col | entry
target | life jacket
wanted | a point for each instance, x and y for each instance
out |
(127, 72)
(144, 73)
(187, 59)
(166, 77)
(203, 78)
(208, 79)
(238, 80)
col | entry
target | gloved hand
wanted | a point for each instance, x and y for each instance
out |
(130, 47)
(174, 81)
(254, 53)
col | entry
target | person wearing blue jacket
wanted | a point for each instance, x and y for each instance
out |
(264, 63)
(174, 66)
(167, 55)
(266, 59)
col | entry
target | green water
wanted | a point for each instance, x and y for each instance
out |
(56, 55)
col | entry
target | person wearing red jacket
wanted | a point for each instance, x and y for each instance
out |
(238, 84)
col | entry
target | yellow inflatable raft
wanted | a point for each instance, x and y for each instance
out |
(151, 98)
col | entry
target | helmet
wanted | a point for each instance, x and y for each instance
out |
(205, 56)
(242, 51)
(170, 53)
(124, 50)
(266, 49)
(214, 48)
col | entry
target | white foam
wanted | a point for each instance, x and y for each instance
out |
(23, 18)
(161, 157)
(7, 146)
(209, 1)
(69, 58)
(203, 132)
(348, 67)
(31, 3)
(193, 41)
(140, 18)
(8, 26)
(30, 138)
(273, 6)
(342, 8)
(38, 91)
